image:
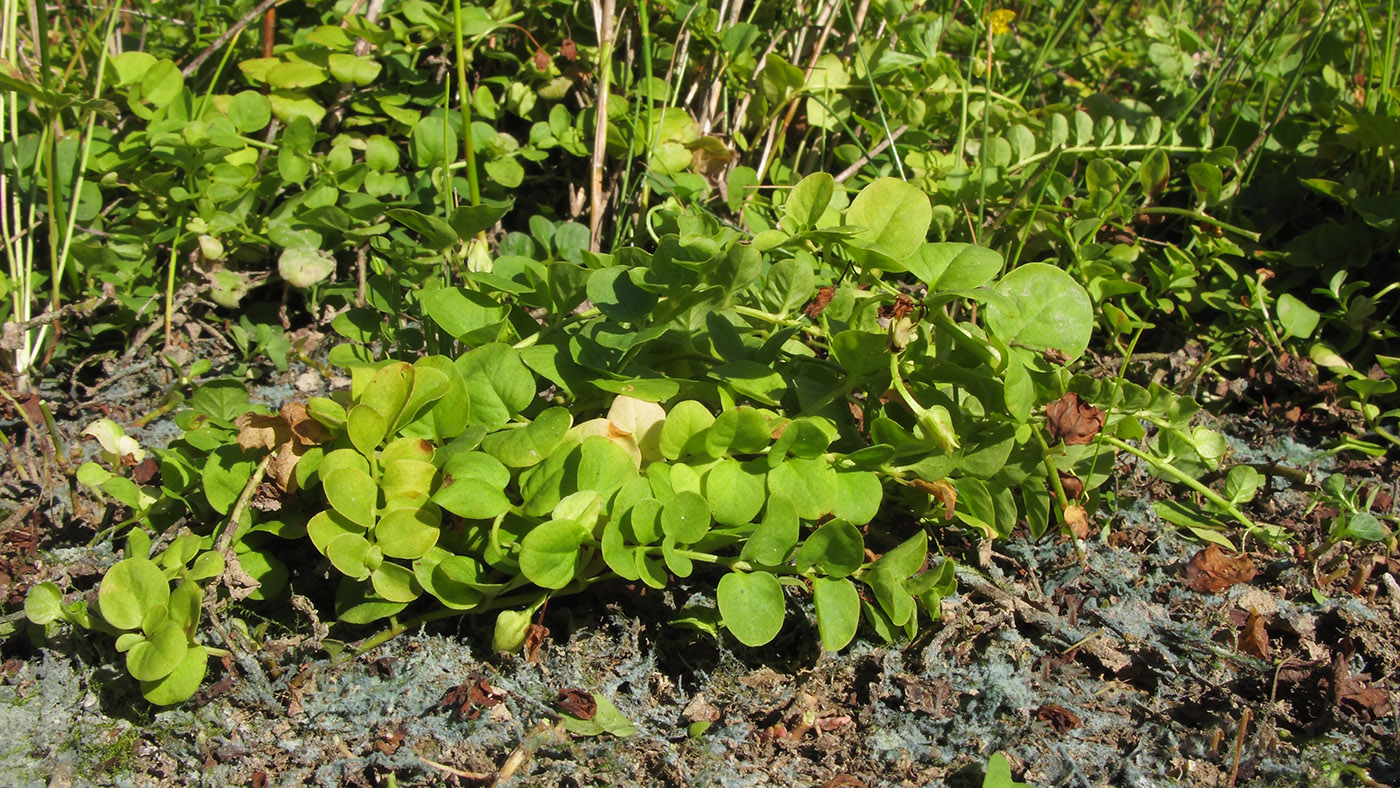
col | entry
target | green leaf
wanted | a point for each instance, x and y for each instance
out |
(954, 266)
(432, 142)
(1052, 310)
(811, 484)
(449, 578)
(250, 111)
(862, 353)
(858, 496)
(225, 472)
(999, 774)
(358, 70)
(473, 486)
(1298, 319)
(408, 533)
(894, 217)
(735, 493)
(350, 554)
(295, 74)
(395, 583)
(774, 538)
(758, 382)
(156, 655)
(808, 200)
(434, 232)
(182, 682)
(606, 719)
(838, 611)
(686, 518)
(499, 384)
(549, 553)
(741, 430)
(836, 548)
(353, 494)
(530, 445)
(615, 292)
(683, 433)
(43, 603)
(468, 220)
(131, 590)
(752, 606)
(470, 316)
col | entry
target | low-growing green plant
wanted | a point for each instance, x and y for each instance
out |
(795, 415)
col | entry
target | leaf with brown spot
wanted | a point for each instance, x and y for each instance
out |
(1254, 637)
(576, 703)
(1072, 420)
(817, 305)
(1212, 571)
(1059, 717)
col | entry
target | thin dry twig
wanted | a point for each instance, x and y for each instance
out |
(879, 148)
(233, 30)
(603, 23)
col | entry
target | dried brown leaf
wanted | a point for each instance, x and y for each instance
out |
(1077, 518)
(818, 304)
(259, 431)
(1059, 717)
(1072, 420)
(576, 703)
(1254, 637)
(1211, 570)
(569, 49)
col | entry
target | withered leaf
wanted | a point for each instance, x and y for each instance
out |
(1078, 521)
(576, 703)
(1211, 570)
(542, 59)
(1072, 420)
(308, 431)
(944, 491)
(701, 710)
(534, 638)
(259, 431)
(569, 49)
(468, 699)
(1059, 717)
(146, 472)
(844, 781)
(817, 305)
(1074, 486)
(1254, 637)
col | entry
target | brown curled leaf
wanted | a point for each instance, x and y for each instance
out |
(1072, 420)
(576, 703)
(1211, 570)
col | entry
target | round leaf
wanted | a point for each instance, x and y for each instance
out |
(181, 682)
(686, 518)
(549, 553)
(303, 266)
(352, 493)
(752, 606)
(131, 589)
(1052, 310)
(407, 533)
(155, 657)
(838, 611)
(894, 217)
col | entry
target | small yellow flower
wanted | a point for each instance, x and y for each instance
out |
(999, 21)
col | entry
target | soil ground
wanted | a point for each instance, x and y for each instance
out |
(1132, 658)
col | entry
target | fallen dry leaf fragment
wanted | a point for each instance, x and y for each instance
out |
(576, 703)
(1078, 521)
(1254, 637)
(469, 698)
(815, 307)
(1059, 717)
(534, 638)
(701, 710)
(844, 781)
(1211, 570)
(1072, 420)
